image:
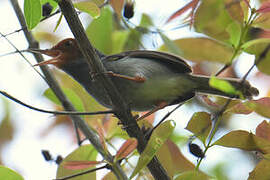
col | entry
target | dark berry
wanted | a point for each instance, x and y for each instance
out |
(195, 150)
(129, 10)
(46, 9)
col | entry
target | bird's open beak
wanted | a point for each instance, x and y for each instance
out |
(55, 54)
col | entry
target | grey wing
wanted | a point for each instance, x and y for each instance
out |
(173, 61)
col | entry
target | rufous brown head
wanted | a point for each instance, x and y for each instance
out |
(66, 51)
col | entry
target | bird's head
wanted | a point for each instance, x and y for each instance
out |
(65, 52)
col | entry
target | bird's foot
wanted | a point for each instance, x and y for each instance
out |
(137, 79)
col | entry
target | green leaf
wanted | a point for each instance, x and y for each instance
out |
(119, 39)
(71, 95)
(89, 7)
(100, 31)
(157, 139)
(234, 29)
(83, 153)
(244, 140)
(192, 175)
(203, 49)
(262, 170)
(212, 19)
(32, 12)
(170, 45)
(9, 174)
(146, 21)
(257, 47)
(223, 85)
(200, 125)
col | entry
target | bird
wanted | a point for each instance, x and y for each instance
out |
(147, 80)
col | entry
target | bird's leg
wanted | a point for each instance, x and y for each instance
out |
(137, 79)
(159, 106)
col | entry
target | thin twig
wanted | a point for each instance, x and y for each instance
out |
(82, 173)
(53, 112)
(20, 52)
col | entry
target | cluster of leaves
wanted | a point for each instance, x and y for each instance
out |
(229, 28)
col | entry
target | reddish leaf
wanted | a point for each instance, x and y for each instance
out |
(75, 165)
(239, 109)
(260, 106)
(173, 160)
(265, 7)
(101, 135)
(263, 130)
(117, 5)
(126, 148)
(192, 5)
(209, 102)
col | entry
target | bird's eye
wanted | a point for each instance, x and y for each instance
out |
(69, 43)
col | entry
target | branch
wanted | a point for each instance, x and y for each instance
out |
(121, 109)
(89, 133)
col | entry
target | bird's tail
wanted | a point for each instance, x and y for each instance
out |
(203, 86)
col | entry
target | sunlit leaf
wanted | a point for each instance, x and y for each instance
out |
(223, 85)
(32, 12)
(262, 170)
(157, 139)
(129, 146)
(200, 125)
(71, 95)
(263, 130)
(100, 31)
(146, 21)
(83, 153)
(244, 140)
(198, 50)
(119, 39)
(192, 175)
(89, 7)
(9, 174)
(212, 19)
